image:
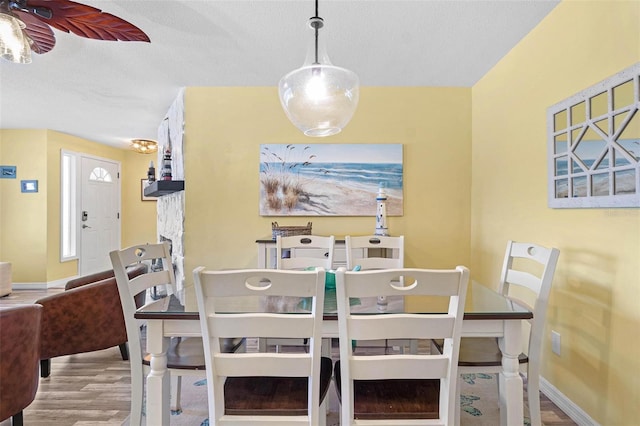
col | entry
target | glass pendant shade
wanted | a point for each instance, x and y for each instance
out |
(319, 98)
(14, 45)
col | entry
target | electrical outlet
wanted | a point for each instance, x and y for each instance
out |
(555, 342)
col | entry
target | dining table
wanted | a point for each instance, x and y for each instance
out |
(487, 314)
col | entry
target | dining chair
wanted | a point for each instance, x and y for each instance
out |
(185, 356)
(263, 387)
(19, 359)
(527, 274)
(399, 389)
(304, 251)
(298, 252)
(372, 252)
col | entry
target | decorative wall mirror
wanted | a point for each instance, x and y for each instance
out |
(594, 145)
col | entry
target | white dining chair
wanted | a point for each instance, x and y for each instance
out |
(399, 389)
(371, 252)
(526, 278)
(374, 252)
(299, 252)
(185, 356)
(263, 387)
(304, 251)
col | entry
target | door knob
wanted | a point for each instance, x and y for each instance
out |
(85, 226)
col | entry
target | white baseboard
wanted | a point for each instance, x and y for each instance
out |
(576, 413)
(29, 286)
(41, 285)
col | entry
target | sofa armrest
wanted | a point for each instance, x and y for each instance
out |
(133, 271)
(84, 319)
(20, 337)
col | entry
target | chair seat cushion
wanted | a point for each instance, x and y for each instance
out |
(480, 352)
(279, 396)
(394, 399)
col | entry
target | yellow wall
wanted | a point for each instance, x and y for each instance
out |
(594, 301)
(139, 217)
(225, 126)
(30, 237)
(23, 221)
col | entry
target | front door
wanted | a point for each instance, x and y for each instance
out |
(99, 213)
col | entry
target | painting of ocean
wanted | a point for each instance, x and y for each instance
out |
(329, 179)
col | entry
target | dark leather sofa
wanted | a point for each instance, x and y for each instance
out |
(86, 317)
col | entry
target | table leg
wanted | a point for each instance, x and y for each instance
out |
(510, 382)
(325, 350)
(158, 381)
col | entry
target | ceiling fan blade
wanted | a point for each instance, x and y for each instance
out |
(87, 21)
(40, 33)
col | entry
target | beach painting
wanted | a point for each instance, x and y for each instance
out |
(329, 179)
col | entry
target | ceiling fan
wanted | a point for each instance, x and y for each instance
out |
(26, 25)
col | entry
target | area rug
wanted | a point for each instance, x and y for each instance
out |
(479, 403)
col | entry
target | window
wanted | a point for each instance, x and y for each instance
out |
(594, 145)
(68, 206)
(101, 175)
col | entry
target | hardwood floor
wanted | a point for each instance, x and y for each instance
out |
(92, 389)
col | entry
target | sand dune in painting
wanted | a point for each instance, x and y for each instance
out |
(325, 198)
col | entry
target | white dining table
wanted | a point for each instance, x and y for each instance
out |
(487, 314)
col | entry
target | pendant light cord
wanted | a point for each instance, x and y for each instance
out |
(316, 31)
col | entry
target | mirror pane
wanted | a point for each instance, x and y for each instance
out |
(600, 184)
(624, 182)
(623, 95)
(578, 113)
(599, 105)
(629, 139)
(579, 186)
(561, 166)
(560, 120)
(560, 143)
(562, 188)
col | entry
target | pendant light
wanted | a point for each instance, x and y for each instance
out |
(14, 45)
(319, 98)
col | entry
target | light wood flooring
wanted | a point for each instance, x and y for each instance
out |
(92, 389)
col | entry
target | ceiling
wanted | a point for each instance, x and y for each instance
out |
(111, 92)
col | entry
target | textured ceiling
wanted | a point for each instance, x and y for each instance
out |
(111, 92)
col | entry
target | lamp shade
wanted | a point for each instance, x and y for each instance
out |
(14, 45)
(319, 98)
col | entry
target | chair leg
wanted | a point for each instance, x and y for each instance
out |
(124, 351)
(176, 390)
(45, 367)
(16, 419)
(458, 405)
(533, 395)
(137, 397)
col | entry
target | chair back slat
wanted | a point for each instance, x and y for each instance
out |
(255, 364)
(403, 282)
(216, 291)
(448, 325)
(258, 324)
(388, 367)
(401, 326)
(523, 279)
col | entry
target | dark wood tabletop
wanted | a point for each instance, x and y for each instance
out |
(482, 303)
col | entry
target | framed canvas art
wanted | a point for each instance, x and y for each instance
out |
(329, 179)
